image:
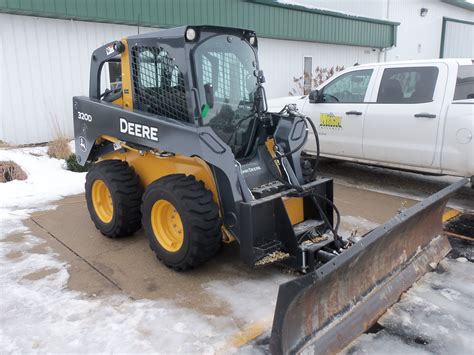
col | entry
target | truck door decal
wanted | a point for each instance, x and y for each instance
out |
(329, 120)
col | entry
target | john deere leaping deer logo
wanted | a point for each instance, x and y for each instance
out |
(83, 144)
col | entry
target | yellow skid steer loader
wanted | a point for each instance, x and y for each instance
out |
(182, 144)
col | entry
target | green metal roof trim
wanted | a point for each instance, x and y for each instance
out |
(460, 3)
(268, 18)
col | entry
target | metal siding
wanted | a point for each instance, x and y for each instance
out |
(455, 43)
(420, 37)
(282, 60)
(37, 89)
(44, 63)
(265, 19)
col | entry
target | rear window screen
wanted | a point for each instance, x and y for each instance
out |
(465, 83)
(407, 85)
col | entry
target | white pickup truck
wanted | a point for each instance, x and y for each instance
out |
(414, 115)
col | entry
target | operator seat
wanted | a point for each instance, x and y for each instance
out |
(390, 92)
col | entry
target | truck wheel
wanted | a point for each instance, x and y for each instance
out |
(113, 195)
(181, 221)
(306, 169)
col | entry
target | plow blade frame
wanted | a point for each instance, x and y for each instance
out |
(323, 311)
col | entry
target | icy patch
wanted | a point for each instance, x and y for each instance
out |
(257, 308)
(435, 316)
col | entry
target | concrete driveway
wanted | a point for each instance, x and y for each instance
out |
(99, 265)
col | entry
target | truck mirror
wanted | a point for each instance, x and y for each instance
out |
(313, 96)
(209, 90)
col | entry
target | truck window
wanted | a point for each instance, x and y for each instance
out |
(348, 88)
(407, 85)
(465, 83)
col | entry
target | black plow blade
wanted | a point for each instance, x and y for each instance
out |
(323, 311)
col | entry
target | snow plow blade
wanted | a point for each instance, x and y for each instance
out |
(324, 310)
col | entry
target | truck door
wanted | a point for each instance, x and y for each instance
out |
(401, 125)
(339, 112)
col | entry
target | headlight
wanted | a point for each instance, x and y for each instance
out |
(252, 39)
(190, 34)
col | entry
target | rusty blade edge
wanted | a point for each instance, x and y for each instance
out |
(336, 336)
(296, 290)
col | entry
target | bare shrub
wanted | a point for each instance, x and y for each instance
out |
(9, 170)
(319, 76)
(59, 148)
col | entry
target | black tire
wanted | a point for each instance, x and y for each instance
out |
(126, 194)
(199, 216)
(306, 169)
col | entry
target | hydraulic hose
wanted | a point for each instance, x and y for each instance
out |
(314, 197)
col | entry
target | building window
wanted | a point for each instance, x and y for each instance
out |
(307, 74)
(407, 85)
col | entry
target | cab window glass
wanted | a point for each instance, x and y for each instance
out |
(350, 87)
(465, 83)
(407, 85)
(115, 74)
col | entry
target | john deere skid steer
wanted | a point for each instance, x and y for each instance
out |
(183, 146)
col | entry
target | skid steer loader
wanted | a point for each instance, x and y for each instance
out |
(183, 146)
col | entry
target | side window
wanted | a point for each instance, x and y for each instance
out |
(307, 75)
(148, 70)
(407, 85)
(115, 75)
(158, 83)
(465, 83)
(348, 88)
(111, 80)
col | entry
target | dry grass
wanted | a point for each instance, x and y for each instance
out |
(9, 170)
(59, 148)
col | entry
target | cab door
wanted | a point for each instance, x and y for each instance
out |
(339, 113)
(401, 126)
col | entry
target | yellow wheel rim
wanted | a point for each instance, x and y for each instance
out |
(102, 201)
(167, 226)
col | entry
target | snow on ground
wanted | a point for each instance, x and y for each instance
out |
(44, 316)
(435, 316)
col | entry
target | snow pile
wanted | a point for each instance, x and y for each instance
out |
(436, 316)
(43, 315)
(313, 5)
(47, 181)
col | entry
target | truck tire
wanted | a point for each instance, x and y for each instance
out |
(181, 221)
(113, 195)
(306, 169)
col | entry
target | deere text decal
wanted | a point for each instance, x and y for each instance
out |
(328, 120)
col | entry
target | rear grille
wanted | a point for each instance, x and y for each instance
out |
(158, 83)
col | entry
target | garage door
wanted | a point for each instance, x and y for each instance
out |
(456, 39)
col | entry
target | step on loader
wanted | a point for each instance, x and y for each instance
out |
(182, 144)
